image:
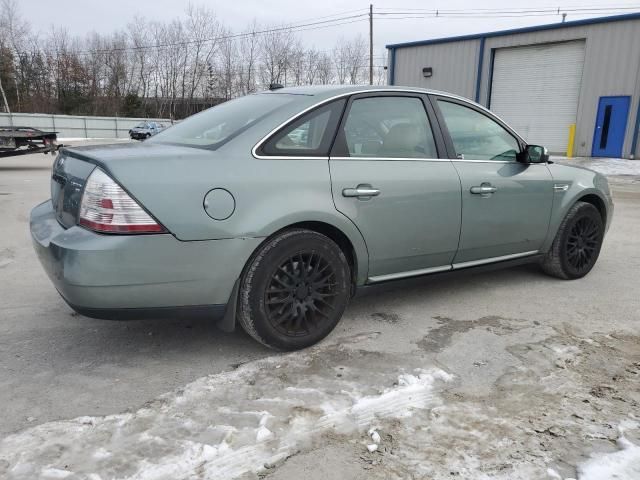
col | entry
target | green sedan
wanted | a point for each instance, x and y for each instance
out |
(271, 210)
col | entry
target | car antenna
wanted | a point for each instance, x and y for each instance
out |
(275, 86)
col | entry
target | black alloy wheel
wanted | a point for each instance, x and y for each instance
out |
(302, 294)
(577, 244)
(294, 289)
(583, 242)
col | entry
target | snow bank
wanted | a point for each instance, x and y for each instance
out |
(223, 426)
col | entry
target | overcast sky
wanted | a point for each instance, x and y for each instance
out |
(83, 16)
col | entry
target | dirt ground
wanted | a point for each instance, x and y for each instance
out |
(497, 375)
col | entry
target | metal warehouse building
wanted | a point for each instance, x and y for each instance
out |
(542, 79)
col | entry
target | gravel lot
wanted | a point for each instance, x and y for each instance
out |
(544, 373)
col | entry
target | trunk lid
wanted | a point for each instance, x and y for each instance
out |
(68, 178)
(126, 163)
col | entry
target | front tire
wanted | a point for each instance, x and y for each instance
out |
(577, 244)
(294, 290)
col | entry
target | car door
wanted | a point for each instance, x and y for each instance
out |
(506, 204)
(388, 178)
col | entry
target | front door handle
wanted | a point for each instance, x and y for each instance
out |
(362, 190)
(483, 189)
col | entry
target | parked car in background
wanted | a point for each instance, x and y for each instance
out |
(145, 130)
(272, 209)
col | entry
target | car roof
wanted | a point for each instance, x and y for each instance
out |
(317, 94)
(313, 94)
(332, 90)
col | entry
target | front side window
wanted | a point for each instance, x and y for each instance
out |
(310, 135)
(388, 127)
(476, 136)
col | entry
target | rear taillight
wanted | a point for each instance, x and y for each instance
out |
(107, 208)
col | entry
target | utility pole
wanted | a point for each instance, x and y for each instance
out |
(371, 44)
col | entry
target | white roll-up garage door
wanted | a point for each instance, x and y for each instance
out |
(535, 89)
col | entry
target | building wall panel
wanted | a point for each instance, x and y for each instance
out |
(612, 60)
(454, 67)
(611, 67)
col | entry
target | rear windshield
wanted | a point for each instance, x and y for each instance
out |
(216, 126)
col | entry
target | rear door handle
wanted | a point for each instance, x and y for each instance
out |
(484, 189)
(361, 191)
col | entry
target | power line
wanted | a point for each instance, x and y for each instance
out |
(335, 20)
(286, 28)
(411, 13)
(347, 12)
(386, 11)
(479, 15)
(299, 27)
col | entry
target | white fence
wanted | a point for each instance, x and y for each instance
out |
(71, 126)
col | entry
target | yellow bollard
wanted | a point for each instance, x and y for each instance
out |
(572, 139)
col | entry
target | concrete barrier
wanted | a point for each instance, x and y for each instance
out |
(73, 126)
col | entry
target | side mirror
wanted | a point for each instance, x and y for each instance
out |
(535, 154)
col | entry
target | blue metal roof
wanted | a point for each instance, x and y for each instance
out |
(536, 28)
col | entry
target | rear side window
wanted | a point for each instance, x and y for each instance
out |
(310, 135)
(214, 127)
(476, 136)
(388, 127)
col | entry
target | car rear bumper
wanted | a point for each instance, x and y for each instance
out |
(137, 276)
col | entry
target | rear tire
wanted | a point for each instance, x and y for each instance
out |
(294, 290)
(577, 244)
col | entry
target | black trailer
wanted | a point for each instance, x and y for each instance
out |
(23, 140)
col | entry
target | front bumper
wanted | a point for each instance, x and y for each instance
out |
(136, 276)
(138, 135)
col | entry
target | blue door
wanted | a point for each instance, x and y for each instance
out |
(611, 123)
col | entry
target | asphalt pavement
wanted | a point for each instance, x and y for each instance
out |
(56, 364)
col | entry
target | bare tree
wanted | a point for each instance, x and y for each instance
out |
(204, 38)
(311, 63)
(356, 54)
(249, 50)
(276, 50)
(341, 62)
(297, 64)
(227, 68)
(169, 68)
(16, 32)
(325, 69)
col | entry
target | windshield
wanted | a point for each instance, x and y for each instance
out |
(141, 125)
(216, 126)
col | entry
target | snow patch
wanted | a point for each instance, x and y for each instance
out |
(263, 434)
(621, 465)
(84, 139)
(605, 166)
(55, 473)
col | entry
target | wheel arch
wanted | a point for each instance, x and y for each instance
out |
(560, 210)
(339, 237)
(597, 202)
